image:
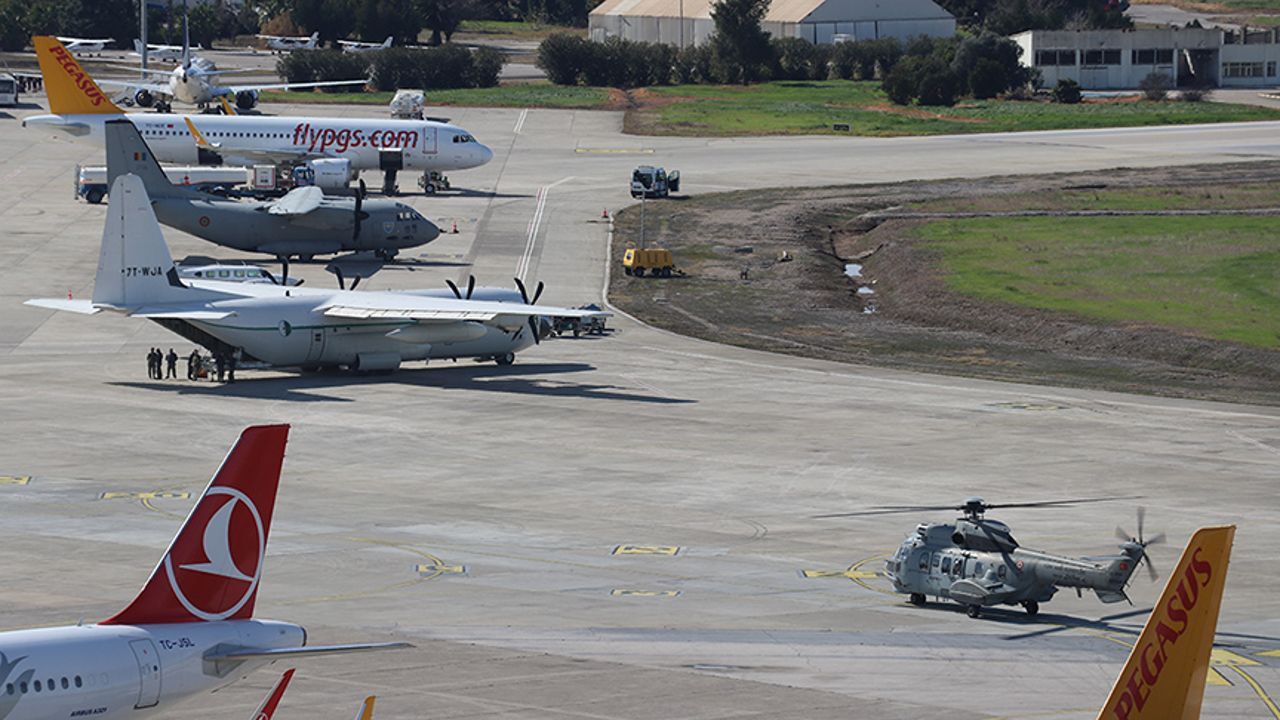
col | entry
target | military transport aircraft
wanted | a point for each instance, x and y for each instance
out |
(303, 223)
(283, 326)
(344, 146)
(190, 630)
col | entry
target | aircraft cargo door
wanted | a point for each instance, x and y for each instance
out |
(148, 672)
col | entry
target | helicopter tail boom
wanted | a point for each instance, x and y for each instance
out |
(1164, 677)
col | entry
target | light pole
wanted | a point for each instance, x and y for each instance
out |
(142, 19)
(681, 24)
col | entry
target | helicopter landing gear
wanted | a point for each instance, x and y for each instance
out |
(1032, 607)
(974, 610)
(916, 599)
(505, 359)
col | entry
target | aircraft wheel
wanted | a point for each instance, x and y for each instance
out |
(1032, 607)
(95, 196)
(974, 610)
(916, 599)
(505, 360)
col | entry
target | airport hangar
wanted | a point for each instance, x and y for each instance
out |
(688, 22)
(1120, 59)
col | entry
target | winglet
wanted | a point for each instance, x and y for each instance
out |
(366, 709)
(212, 568)
(226, 106)
(70, 89)
(1165, 675)
(198, 136)
(268, 706)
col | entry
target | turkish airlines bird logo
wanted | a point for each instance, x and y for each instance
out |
(216, 577)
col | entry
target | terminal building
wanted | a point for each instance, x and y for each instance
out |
(1120, 59)
(688, 22)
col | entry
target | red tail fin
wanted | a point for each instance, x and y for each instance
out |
(212, 568)
(269, 705)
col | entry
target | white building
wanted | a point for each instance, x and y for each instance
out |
(688, 22)
(1120, 59)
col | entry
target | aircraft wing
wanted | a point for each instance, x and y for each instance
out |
(153, 88)
(299, 201)
(243, 653)
(285, 86)
(419, 308)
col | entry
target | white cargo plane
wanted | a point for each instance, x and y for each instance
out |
(281, 326)
(289, 43)
(340, 147)
(85, 45)
(355, 46)
(190, 630)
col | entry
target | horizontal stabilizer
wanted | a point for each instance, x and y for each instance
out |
(158, 312)
(299, 201)
(278, 653)
(84, 307)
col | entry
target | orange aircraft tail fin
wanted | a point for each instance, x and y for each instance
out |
(70, 89)
(1165, 675)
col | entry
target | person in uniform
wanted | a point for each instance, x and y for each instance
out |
(193, 365)
(219, 362)
(171, 365)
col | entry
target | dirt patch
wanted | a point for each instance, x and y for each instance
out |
(922, 114)
(767, 271)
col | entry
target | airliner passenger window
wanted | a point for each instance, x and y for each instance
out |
(78, 683)
(37, 686)
(65, 684)
(9, 689)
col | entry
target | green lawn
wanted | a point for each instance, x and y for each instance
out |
(1193, 197)
(512, 29)
(524, 95)
(814, 107)
(1215, 276)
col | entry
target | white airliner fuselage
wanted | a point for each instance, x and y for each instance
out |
(113, 671)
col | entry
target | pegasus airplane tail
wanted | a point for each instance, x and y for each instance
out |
(70, 89)
(1165, 675)
(211, 570)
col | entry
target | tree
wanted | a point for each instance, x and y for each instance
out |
(377, 19)
(13, 25)
(442, 17)
(331, 18)
(204, 23)
(987, 79)
(740, 48)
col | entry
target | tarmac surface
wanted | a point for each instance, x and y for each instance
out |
(619, 527)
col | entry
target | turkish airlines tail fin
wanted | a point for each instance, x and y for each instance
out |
(70, 89)
(1165, 675)
(212, 569)
(268, 706)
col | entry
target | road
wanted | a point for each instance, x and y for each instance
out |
(619, 528)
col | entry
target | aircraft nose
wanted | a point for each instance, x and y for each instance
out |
(485, 154)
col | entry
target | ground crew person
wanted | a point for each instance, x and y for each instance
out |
(171, 365)
(231, 365)
(153, 364)
(193, 364)
(219, 361)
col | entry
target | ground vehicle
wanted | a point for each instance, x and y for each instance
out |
(651, 182)
(408, 104)
(655, 261)
(593, 325)
(91, 182)
(432, 181)
(8, 90)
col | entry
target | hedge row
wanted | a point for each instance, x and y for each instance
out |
(437, 68)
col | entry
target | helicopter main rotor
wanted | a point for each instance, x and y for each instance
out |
(974, 508)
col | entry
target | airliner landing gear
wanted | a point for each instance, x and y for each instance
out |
(505, 360)
(389, 182)
(164, 107)
(1032, 607)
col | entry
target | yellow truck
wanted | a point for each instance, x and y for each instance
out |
(654, 261)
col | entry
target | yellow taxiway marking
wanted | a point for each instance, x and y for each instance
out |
(1259, 690)
(855, 573)
(15, 479)
(1226, 657)
(1269, 653)
(667, 550)
(619, 592)
(436, 568)
(145, 498)
(1216, 678)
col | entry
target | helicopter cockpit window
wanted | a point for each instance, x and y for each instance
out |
(1004, 569)
(937, 559)
(924, 561)
(946, 565)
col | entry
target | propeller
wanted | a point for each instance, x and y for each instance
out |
(471, 286)
(974, 505)
(1142, 541)
(533, 320)
(360, 214)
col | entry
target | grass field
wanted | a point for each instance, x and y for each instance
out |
(511, 29)
(1218, 277)
(1197, 197)
(524, 95)
(814, 107)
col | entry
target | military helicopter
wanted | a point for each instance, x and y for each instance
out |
(975, 561)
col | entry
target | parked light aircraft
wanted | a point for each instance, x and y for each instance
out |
(85, 45)
(343, 145)
(162, 53)
(355, 46)
(190, 630)
(304, 222)
(288, 43)
(267, 709)
(294, 327)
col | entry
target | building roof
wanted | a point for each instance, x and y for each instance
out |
(783, 10)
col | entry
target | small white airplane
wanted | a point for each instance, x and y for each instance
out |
(190, 630)
(341, 146)
(161, 53)
(282, 326)
(289, 43)
(267, 709)
(355, 46)
(85, 45)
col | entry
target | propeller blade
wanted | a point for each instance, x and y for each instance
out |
(1142, 516)
(342, 283)
(270, 277)
(457, 293)
(1151, 569)
(355, 226)
(537, 293)
(1157, 539)
(471, 285)
(1122, 535)
(362, 189)
(533, 326)
(524, 294)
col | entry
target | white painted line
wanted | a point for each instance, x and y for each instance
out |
(520, 121)
(535, 223)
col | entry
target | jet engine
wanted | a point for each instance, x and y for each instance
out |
(246, 99)
(331, 173)
(144, 98)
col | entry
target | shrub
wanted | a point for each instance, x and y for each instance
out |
(1155, 86)
(569, 60)
(902, 83)
(1067, 92)
(447, 66)
(1195, 94)
(693, 65)
(563, 56)
(987, 79)
(303, 66)
(793, 58)
(486, 67)
(938, 85)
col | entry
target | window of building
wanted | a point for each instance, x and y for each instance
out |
(1152, 57)
(1164, 57)
(1242, 70)
(1101, 57)
(1055, 57)
(1271, 68)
